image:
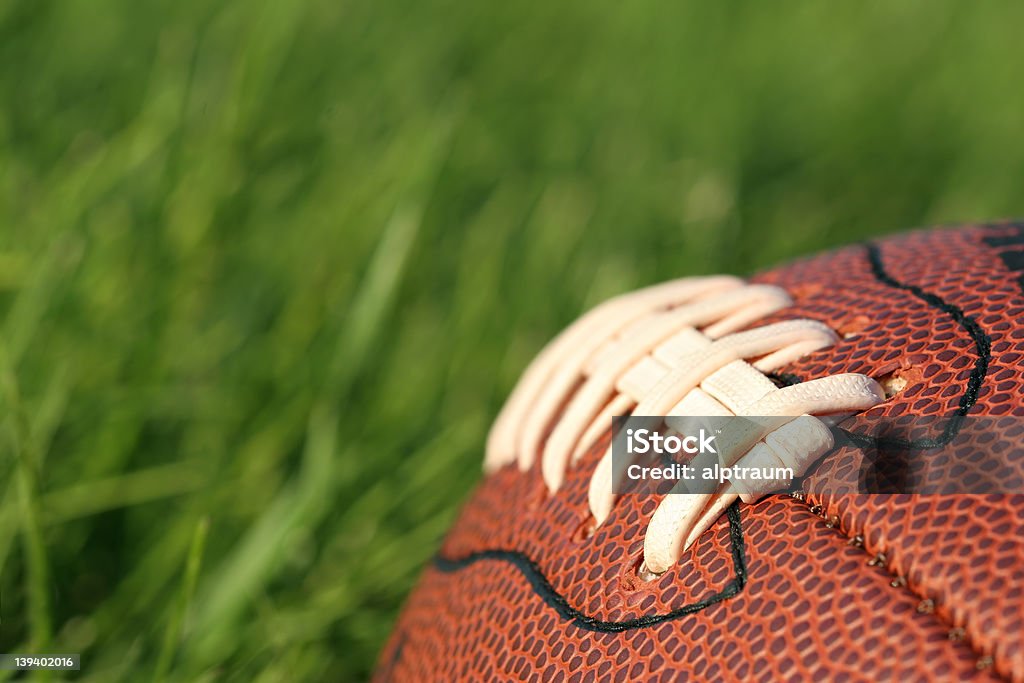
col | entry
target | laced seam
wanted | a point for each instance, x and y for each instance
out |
(678, 349)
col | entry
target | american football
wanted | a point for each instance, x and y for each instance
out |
(549, 575)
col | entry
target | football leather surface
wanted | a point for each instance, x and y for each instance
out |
(810, 586)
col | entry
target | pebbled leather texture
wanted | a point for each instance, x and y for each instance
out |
(821, 587)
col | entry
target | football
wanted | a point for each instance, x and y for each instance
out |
(553, 573)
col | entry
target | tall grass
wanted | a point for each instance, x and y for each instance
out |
(267, 269)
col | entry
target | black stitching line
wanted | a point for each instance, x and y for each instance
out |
(783, 379)
(982, 341)
(983, 347)
(543, 588)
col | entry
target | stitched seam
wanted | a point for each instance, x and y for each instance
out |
(983, 347)
(841, 530)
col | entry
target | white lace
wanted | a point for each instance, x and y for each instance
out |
(674, 350)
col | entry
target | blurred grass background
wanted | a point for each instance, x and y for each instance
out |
(268, 269)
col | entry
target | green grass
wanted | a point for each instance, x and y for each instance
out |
(267, 269)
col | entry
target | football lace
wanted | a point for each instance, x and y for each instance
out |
(679, 349)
